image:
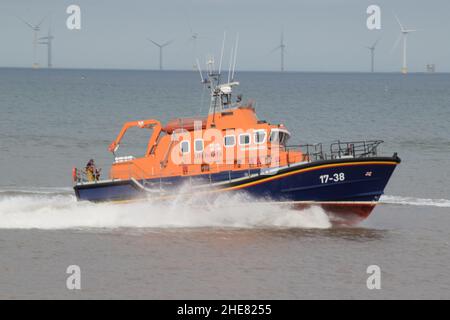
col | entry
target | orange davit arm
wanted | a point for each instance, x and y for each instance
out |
(151, 123)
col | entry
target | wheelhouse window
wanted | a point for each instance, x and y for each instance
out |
(198, 145)
(279, 137)
(185, 146)
(260, 136)
(244, 139)
(229, 141)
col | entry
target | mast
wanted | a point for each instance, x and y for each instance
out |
(221, 93)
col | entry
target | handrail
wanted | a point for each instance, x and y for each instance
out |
(357, 149)
(311, 152)
(338, 150)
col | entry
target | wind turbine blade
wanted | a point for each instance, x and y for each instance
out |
(399, 23)
(275, 49)
(191, 31)
(26, 22)
(167, 43)
(155, 43)
(396, 42)
(196, 38)
(376, 42)
(41, 22)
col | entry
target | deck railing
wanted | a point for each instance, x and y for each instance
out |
(355, 149)
(309, 153)
(338, 150)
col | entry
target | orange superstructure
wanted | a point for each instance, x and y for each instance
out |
(231, 139)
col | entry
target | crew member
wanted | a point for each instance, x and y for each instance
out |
(92, 173)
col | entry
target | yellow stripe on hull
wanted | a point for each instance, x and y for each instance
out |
(309, 169)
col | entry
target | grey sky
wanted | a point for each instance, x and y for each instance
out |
(321, 35)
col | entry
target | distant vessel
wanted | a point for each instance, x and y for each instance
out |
(231, 150)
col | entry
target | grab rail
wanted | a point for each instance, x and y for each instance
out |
(338, 150)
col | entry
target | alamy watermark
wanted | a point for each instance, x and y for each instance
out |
(73, 22)
(374, 19)
(374, 280)
(73, 282)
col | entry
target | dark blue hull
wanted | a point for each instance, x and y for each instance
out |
(109, 191)
(325, 181)
(343, 180)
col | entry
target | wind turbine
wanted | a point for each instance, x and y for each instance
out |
(372, 55)
(404, 34)
(49, 38)
(282, 48)
(36, 28)
(160, 46)
(193, 37)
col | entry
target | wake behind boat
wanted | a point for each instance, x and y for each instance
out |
(231, 150)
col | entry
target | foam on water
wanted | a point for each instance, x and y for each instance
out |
(58, 211)
(410, 201)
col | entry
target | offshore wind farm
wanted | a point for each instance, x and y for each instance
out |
(189, 43)
(35, 28)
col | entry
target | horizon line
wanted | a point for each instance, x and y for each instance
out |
(196, 71)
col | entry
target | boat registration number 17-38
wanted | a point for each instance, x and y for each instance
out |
(336, 177)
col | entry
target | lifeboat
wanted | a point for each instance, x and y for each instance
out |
(232, 150)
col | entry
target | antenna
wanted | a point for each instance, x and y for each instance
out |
(200, 71)
(210, 64)
(235, 56)
(221, 52)
(231, 64)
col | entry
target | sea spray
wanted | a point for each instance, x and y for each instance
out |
(47, 211)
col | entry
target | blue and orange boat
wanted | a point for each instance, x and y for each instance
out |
(231, 150)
